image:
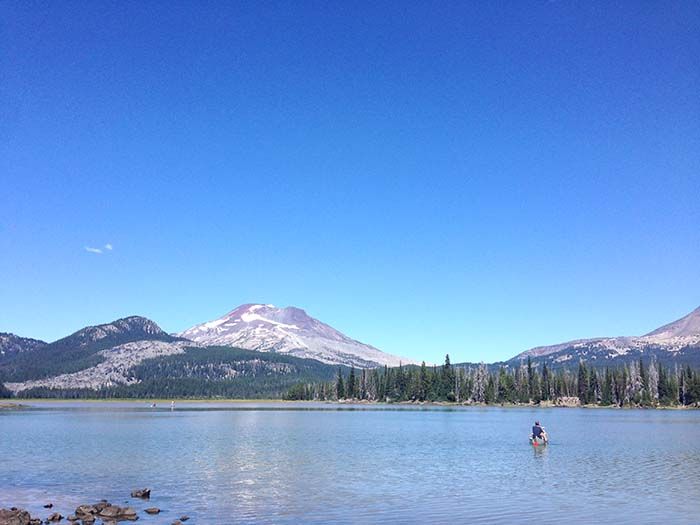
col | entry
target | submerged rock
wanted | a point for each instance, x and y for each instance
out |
(152, 510)
(184, 518)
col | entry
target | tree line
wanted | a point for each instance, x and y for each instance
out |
(634, 384)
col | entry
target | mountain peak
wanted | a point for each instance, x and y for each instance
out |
(133, 328)
(267, 328)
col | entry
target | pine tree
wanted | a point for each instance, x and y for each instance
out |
(423, 384)
(582, 383)
(546, 385)
(363, 384)
(447, 380)
(350, 387)
(653, 382)
(490, 393)
(594, 391)
(340, 385)
(606, 392)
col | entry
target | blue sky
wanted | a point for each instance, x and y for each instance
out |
(472, 178)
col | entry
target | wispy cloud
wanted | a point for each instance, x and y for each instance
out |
(106, 248)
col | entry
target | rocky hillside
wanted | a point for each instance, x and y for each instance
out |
(79, 350)
(676, 342)
(11, 345)
(265, 328)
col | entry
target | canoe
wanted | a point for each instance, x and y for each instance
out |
(538, 441)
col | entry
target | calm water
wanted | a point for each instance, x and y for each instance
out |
(287, 463)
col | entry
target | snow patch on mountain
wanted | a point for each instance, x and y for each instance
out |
(265, 328)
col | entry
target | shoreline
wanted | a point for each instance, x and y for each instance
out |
(25, 403)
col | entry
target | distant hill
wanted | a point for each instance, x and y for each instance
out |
(12, 345)
(154, 369)
(676, 342)
(79, 350)
(290, 330)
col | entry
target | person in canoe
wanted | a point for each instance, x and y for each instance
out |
(538, 433)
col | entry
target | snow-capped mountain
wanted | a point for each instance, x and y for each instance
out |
(679, 340)
(265, 328)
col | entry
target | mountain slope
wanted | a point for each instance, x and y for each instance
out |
(677, 342)
(11, 345)
(79, 350)
(288, 331)
(687, 326)
(146, 369)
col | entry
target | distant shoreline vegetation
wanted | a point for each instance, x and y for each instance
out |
(633, 385)
(636, 384)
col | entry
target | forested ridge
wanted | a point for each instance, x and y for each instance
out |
(217, 372)
(634, 384)
(211, 372)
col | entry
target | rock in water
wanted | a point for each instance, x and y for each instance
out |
(56, 516)
(128, 513)
(152, 510)
(48, 505)
(84, 512)
(14, 516)
(184, 518)
(142, 493)
(115, 513)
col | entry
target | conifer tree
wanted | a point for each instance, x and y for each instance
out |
(350, 387)
(340, 385)
(423, 384)
(582, 383)
(546, 385)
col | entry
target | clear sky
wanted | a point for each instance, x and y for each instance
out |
(467, 177)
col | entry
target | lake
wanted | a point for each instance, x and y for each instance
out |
(323, 463)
